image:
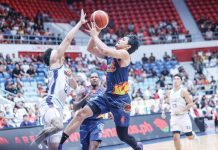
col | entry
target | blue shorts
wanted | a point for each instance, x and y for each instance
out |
(91, 131)
(114, 104)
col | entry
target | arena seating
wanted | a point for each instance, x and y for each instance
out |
(143, 13)
(205, 14)
(203, 8)
(57, 10)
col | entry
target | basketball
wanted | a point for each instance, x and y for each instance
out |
(100, 18)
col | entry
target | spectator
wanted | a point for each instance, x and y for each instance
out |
(156, 95)
(147, 94)
(153, 72)
(166, 57)
(17, 73)
(27, 58)
(209, 35)
(188, 83)
(19, 98)
(8, 113)
(8, 59)
(212, 80)
(165, 72)
(41, 91)
(151, 58)
(161, 82)
(174, 71)
(131, 27)
(152, 110)
(14, 58)
(39, 58)
(207, 111)
(31, 72)
(138, 93)
(10, 86)
(31, 116)
(2, 59)
(144, 59)
(173, 57)
(26, 121)
(7, 124)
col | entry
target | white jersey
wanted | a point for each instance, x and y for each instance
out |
(58, 88)
(177, 102)
(181, 122)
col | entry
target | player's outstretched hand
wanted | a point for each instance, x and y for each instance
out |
(83, 17)
(93, 31)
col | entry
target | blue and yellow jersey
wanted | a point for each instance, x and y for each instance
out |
(117, 77)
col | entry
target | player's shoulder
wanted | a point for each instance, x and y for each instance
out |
(56, 67)
(184, 91)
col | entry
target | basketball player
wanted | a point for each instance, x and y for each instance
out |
(61, 83)
(91, 128)
(180, 102)
(115, 99)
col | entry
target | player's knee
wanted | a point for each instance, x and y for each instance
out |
(176, 138)
(81, 115)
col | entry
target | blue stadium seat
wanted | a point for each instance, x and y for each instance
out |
(41, 66)
(2, 80)
(7, 75)
(40, 79)
(24, 79)
(33, 83)
(41, 74)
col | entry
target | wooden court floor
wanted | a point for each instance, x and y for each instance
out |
(207, 142)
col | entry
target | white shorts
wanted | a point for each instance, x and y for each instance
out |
(181, 123)
(50, 114)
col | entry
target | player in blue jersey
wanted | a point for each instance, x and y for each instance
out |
(115, 99)
(92, 127)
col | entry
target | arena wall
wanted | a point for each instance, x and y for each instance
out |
(157, 50)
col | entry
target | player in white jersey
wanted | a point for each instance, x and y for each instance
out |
(180, 102)
(61, 83)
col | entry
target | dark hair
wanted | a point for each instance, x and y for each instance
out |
(25, 115)
(134, 42)
(47, 56)
(178, 75)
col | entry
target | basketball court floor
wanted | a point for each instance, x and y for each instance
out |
(207, 142)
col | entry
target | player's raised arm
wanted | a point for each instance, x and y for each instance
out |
(59, 52)
(103, 49)
(92, 48)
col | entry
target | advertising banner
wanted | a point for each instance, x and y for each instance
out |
(143, 127)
